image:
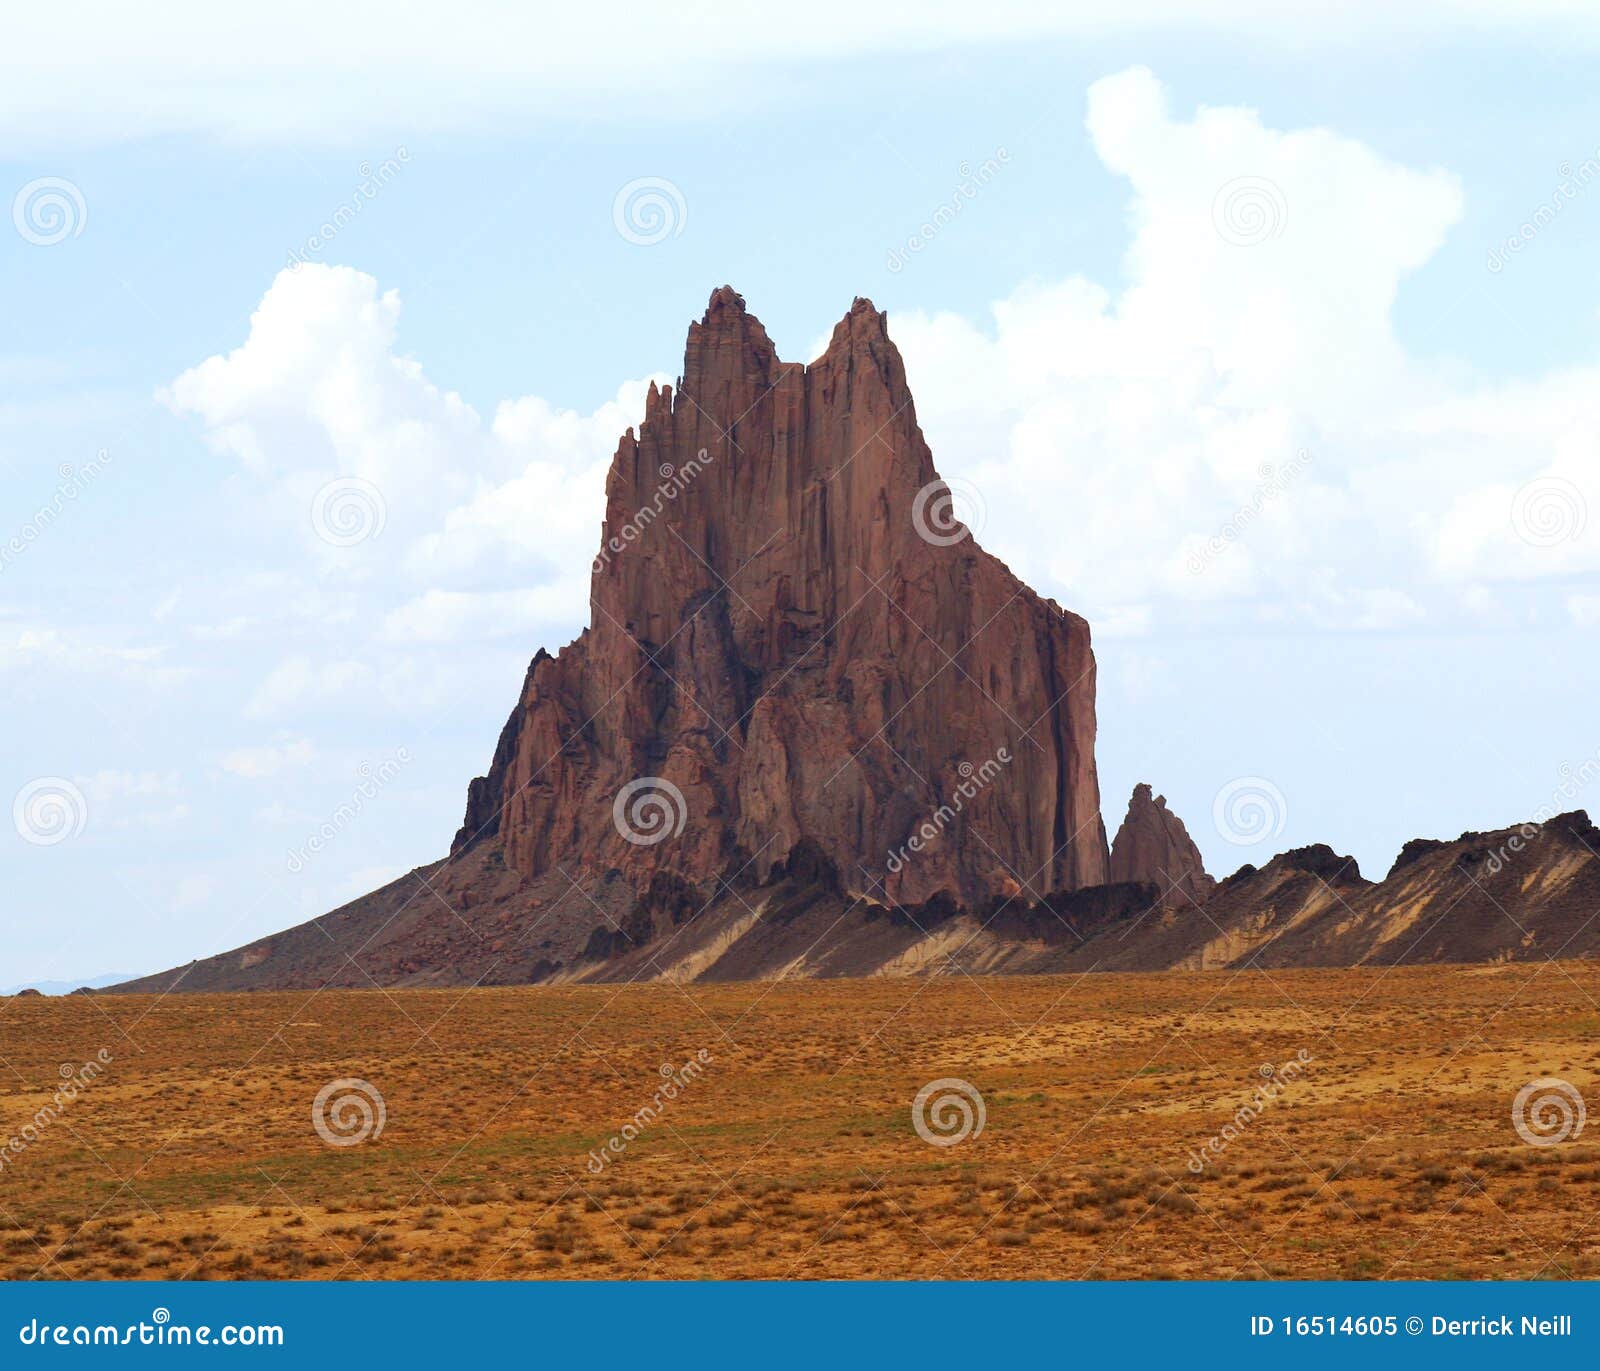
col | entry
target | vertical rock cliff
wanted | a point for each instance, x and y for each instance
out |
(794, 645)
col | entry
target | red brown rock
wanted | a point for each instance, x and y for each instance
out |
(1523, 894)
(1153, 846)
(774, 639)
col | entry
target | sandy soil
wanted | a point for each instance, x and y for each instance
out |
(1385, 1142)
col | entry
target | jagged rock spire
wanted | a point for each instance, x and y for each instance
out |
(781, 639)
(1153, 845)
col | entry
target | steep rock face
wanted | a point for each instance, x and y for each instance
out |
(790, 633)
(1152, 845)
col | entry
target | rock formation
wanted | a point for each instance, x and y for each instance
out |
(814, 730)
(1153, 846)
(1522, 894)
(792, 641)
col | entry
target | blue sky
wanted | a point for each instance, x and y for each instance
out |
(1392, 637)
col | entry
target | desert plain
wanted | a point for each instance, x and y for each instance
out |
(1351, 1123)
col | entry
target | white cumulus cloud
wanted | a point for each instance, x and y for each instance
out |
(1235, 434)
(464, 528)
(1238, 431)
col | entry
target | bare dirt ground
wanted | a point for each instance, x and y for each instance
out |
(1381, 1140)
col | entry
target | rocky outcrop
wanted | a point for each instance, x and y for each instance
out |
(1152, 845)
(813, 730)
(793, 641)
(1521, 894)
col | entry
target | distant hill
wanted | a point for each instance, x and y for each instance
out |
(67, 987)
(1517, 895)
